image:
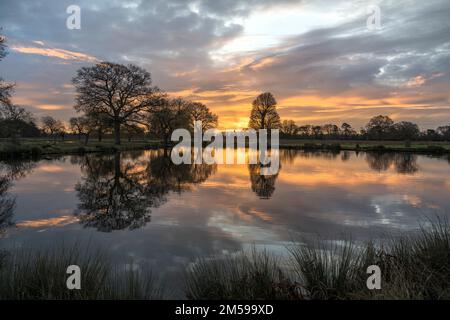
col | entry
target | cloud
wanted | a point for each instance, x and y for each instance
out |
(55, 53)
(350, 71)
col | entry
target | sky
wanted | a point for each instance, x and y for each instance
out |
(318, 57)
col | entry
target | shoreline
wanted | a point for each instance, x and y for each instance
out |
(31, 148)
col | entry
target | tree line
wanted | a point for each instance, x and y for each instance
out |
(264, 115)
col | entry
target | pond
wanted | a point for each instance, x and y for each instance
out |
(145, 210)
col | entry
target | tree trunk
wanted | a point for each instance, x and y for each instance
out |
(117, 172)
(116, 132)
(100, 135)
(86, 139)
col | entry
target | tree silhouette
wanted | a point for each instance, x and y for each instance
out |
(264, 113)
(289, 128)
(379, 127)
(5, 88)
(168, 115)
(200, 112)
(262, 185)
(51, 126)
(119, 193)
(121, 93)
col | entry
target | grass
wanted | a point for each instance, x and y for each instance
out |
(412, 267)
(428, 147)
(41, 274)
(254, 275)
(37, 147)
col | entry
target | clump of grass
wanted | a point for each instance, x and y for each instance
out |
(420, 265)
(412, 267)
(335, 271)
(39, 274)
(254, 275)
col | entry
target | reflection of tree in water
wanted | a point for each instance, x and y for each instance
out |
(166, 176)
(262, 185)
(288, 156)
(10, 171)
(404, 163)
(345, 155)
(7, 204)
(113, 194)
(118, 192)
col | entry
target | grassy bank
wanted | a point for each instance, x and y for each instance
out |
(426, 147)
(412, 267)
(38, 147)
(41, 274)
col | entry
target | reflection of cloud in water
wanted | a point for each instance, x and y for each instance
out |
(198, 211)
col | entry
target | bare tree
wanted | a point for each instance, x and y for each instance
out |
(14, 112)
(2, 46)
(119, 92)
(6, 89)
(288, 127)
(200, 112)
(264, 114)
(133, 130)
(82, 126)
(168, 115)
(51, 126)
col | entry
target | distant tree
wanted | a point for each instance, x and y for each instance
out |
(330, 130)
(51, 126)
(289, 128)
(199, 112)
(100, 123)
(15, 112)
(316, 131)
(16, 121)
(305, 130)
(121, 93)
(406, 130)
(78, 126)
(82, 126)
(166, 116)
(347, 130)
(133, 130)
(264, 113)
(379, 127)
(18, 128)
(430, 134)
(444, 132)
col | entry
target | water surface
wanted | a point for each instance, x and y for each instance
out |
(145, 210)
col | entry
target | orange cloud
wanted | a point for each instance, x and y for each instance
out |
(55, 53)
(50, 222)
(50, 107)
